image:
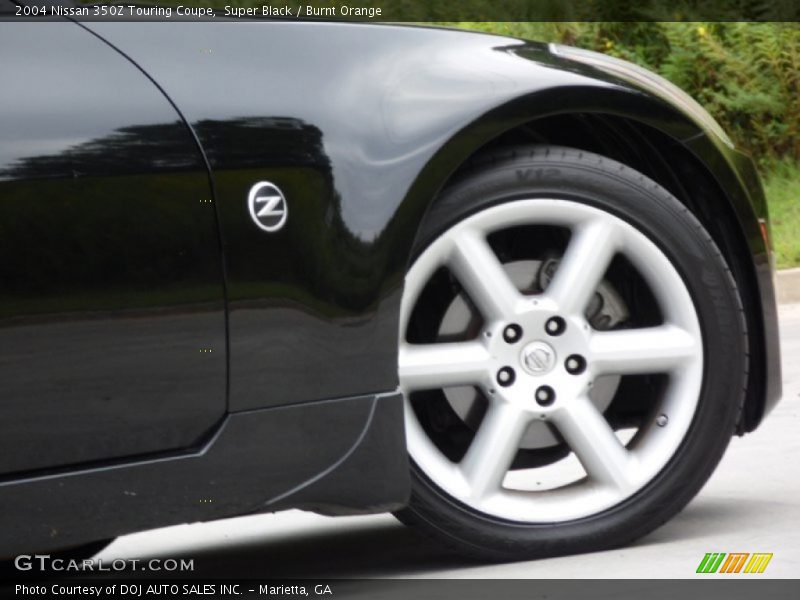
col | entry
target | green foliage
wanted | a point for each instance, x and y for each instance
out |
(747, 75)
(782, 186)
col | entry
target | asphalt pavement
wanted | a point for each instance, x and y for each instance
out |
(751, 504)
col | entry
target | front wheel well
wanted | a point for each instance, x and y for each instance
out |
(670, 164)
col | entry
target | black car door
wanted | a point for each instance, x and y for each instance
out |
(112, 325)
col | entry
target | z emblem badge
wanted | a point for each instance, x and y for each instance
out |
(267, 206)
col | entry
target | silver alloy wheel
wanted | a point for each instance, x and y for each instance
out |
(613, 472)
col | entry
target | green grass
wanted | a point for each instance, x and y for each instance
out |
(782, 186)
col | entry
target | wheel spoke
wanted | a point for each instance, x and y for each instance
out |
(432, 366)
(493, 449)
(590, 436)
(478, 269)
(647, 350)
(583, 266)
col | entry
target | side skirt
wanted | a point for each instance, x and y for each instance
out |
(344, 456)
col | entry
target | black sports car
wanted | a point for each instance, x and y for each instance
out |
(519, 294)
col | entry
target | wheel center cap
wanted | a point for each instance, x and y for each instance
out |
(538, 358)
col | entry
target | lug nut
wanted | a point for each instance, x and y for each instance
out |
(512, 333)
(506, 376)
(555, 326)
(575, 364)
(545, 395)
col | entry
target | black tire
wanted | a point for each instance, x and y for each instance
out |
(87, 550)
(563, 173)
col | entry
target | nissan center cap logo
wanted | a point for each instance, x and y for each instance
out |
(267, 206)
(538, 358)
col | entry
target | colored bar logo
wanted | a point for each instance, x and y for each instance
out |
(734, 562)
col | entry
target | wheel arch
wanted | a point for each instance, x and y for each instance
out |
(717, 184)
